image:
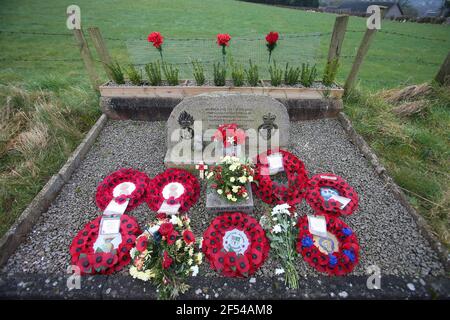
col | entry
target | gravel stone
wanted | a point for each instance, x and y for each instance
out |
(388, 236)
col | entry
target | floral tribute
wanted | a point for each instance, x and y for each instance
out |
(223, 41)
(175, 187)
(280, 225)
(324, 192)
(122, 185)
(272, 192)
(229, 134)
(166, 254)
(230, 178)
(92, 261)
(335, 255)
(157, 40)
(271, 42)
(235, 245)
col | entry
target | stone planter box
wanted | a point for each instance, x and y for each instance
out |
(215, 204)
(184, 90)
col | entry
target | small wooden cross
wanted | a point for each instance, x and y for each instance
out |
(201, 167)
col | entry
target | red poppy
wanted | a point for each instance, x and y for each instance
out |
(272, 38)
(83, 253)
(104, 194)
(242, 264)
(274, 193)
(226, 262)
(142, 243)
(156, 38)
(223, 39)
(167, 260)
(188, 236)
(166, 229)
(161, 216)
(172, 237)
(338, 263)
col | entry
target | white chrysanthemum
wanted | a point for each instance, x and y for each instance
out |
(234, 199)
(250, 178)
(279, 271)
(243, 179)
(229, 196)
(235, 189)
(133, 252)
(219, 191)
(277, 228)
(233, 167)
(194, 270)
(232, 179)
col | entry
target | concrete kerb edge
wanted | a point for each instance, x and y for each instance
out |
(424, 228)
(23, 225)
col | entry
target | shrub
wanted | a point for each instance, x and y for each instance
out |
(220, 74)
(199, 73)
(252, 74)
(329, 75)
(291, 75)
(276, 75)
(134, 75)
(237, 74)
(153, 70)
(308, 75)
(171, 73)
(116, 73)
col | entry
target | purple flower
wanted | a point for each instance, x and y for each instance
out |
(307, 242)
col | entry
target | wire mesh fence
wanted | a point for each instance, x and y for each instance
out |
(301, 48)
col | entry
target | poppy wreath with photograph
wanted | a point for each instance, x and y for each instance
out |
(326, 193)
(235, 245)
(167, 253)
(335, 255)
(272, 192)
(92, 261)
(122, 185)
(175, 186)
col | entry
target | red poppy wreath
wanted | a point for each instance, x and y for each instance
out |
(108, 258)
(123, 185)
(173, 187)
(235, 245)
(272, 192)
(336, 255)
(330, 194)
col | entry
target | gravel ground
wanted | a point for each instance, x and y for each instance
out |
(388, 235)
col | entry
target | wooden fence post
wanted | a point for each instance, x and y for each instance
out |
(102, 50)
(87, 57)
(340, 27)
(443, 75)
(362, 51)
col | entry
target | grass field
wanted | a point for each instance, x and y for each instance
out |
(47, 104)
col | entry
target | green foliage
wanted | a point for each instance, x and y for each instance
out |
(153, 70)
(199, 73)
(116, 72)
(276, 75)
(291, 75)
(220, 74)
(134, 75)
(329, 75)
(414, 149)
(171, 73)
(308, 75)
(237, 74)
(252, 74)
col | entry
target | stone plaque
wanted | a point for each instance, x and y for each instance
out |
(194, 120)
(216, 204)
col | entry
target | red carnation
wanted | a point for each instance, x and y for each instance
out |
(188, 236)
(141, 244)
(166, 229)
(157, 39)
(167, 260)
(161, 216)
(271, 38)
(223, 39)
